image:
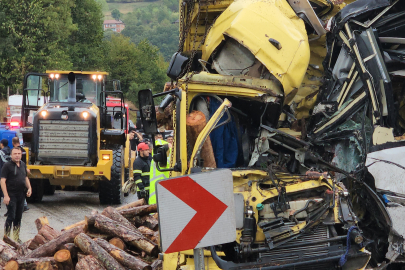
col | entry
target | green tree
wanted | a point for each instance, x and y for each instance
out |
(85, 43)
(136, 66)
(103, 4)
(31, 34)
(156, 23)
(172, 4)
(121, 59)
(116, 14)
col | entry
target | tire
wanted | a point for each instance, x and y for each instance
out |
(110, 192)
(37, 186)
(48, 188)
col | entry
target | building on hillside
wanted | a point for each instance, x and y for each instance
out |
(114, 25)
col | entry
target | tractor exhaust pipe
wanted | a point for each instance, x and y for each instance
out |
(72, 87)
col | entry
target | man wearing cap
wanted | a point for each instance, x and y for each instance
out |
(134, 137)
(141, 168)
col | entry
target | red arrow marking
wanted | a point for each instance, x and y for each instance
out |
(207, 206)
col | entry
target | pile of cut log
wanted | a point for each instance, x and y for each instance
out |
(117, 238)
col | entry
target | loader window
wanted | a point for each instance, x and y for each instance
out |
(88, 89)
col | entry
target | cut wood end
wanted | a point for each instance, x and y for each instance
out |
(11, 265)
(195, 118)
(62, 255)
(116, 254)
(118, 243)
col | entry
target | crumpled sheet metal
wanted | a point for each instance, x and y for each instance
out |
(249, 23)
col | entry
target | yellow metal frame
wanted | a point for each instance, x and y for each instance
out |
(255, 195)
(77, 72)
(101, 171)
(243, 86)
(127, 154)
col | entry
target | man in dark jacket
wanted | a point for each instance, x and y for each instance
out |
(141, 170)
(16, 143)
(134, 138)
(14, 182)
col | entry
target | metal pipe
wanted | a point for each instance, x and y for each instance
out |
(72, 87)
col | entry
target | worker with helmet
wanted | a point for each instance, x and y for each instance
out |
(141, 169)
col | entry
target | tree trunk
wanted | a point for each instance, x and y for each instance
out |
(147, 221)
(88, 246)
(89, 262)
(80, 255)
(196, 122)
(6, 253)
(129, 205)
(132, 204)
(150, 234)
(157, 264)
(63, 259)
(122, 257)
(97, 235)
(118, 243)
(133, 237)
(48, 233)
(32, 264)
(139, 211)
(49, 248)
(116, 216)
(23, 249)
(71, 247)
(37, 241)
(89, 222)
(11, 242)
(39, 222)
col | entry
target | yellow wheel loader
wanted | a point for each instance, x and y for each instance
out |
(74, 138)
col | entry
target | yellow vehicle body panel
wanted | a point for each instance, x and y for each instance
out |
(255, 195)
(77, 72)
(249, 23)
(186, 260)
(101, 171)
(232, 85)
(127, 155)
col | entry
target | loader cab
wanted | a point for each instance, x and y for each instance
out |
(88, 88)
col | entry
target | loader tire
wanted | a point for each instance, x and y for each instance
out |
(110, 192)
(37, 186)
(48, 188)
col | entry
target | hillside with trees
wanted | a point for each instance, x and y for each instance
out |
(39, 35)
(156, 23)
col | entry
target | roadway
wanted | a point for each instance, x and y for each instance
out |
(62, 209)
